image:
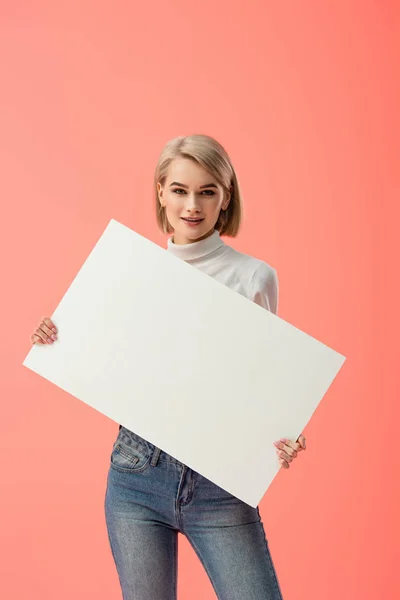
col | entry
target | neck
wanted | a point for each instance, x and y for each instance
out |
(197, 249)
(178, 240)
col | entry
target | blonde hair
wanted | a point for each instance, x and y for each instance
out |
(208, 153)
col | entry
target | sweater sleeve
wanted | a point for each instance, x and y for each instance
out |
(266, 287)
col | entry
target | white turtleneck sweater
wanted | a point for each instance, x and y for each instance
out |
(251, 277)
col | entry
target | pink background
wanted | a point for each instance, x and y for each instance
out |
(305, 98)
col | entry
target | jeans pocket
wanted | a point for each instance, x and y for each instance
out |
(128, 460)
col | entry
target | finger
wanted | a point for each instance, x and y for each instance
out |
(48, 330)
(48, 333)
(43, 335)
(284, 464)
(35, 339)
(288, 449)
(294, 445)
(50, 324)
(285, 456)
(302, 442)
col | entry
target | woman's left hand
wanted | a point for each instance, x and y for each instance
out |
(288, 450)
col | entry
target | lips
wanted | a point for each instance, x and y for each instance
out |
(193, 221)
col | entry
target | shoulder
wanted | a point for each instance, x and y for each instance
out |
(263, 275)
(265, 287)
(261, 280)
(258, 272)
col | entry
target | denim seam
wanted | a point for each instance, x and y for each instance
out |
(190, 491)
(177, 505)
(110, 540)
(128, 469)
(144, 452)
(193, 544)
(175, 540)
(270, 562)
(134, 459)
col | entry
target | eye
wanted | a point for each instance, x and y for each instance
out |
(205, 192)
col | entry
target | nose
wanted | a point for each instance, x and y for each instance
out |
(192, 203)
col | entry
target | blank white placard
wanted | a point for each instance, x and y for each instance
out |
(185, 362)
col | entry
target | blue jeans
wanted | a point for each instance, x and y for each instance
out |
(151, 497)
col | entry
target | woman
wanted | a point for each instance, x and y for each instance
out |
(151, 496)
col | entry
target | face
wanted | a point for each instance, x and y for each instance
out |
(192, 199)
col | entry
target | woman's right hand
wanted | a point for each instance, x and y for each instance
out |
(45, 333)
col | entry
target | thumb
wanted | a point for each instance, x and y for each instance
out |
(302, 441)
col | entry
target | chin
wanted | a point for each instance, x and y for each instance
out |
(191, 234)
(196, 235)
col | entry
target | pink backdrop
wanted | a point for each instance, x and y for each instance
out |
(305, 97)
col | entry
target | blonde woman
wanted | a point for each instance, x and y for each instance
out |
(151, 496)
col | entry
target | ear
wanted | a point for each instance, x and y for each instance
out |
(227, 200)
(160, 194)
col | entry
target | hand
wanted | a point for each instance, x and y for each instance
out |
(288, 450)
(45, 333)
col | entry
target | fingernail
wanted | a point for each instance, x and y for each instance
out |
(53, 337)
(276, 444)
(283, 440)
(55, 330)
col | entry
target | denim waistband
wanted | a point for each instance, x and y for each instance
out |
(129, 438)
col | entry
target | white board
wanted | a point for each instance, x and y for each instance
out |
(183, 361)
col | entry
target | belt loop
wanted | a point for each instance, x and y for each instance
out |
(155, 457)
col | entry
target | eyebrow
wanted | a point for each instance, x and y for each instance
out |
(186, 186)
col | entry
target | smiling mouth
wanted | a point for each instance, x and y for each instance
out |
(192, 220)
